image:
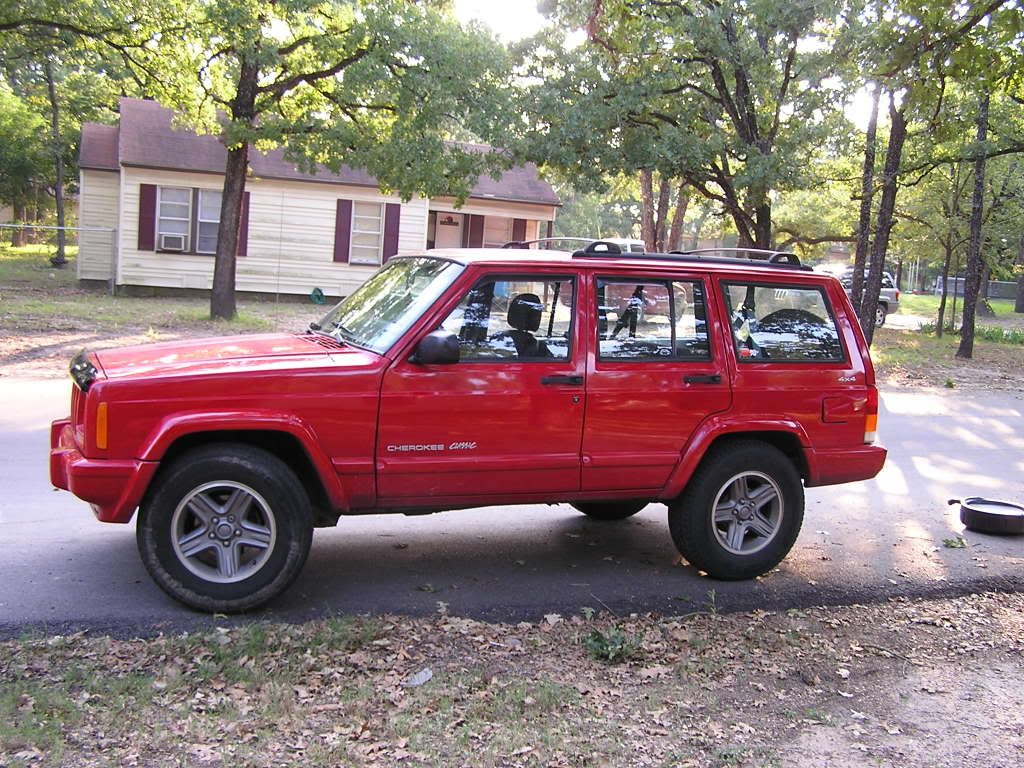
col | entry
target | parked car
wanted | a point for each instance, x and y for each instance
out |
(464, 378)
(888, 296)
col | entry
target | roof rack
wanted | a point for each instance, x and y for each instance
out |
(760, 257)
(528, 243)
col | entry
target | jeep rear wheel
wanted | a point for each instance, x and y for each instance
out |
(225, 528)
(741, 512)
(609, 510)
(880, 312)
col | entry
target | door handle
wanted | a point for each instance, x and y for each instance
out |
(575, 381)
(712, 378)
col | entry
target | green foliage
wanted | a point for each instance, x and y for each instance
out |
(23, 156)
(613, 646)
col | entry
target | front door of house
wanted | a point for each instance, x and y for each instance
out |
(448, 230)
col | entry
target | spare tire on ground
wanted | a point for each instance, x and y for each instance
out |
(990, 516)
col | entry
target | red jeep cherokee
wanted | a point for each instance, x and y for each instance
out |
(462, 378)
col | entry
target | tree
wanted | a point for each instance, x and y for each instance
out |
(367, 84)
(729, 96)
(23, 159)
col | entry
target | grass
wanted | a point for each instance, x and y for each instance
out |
(37, 298)
(928, 306)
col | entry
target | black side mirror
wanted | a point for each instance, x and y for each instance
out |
(437, 348)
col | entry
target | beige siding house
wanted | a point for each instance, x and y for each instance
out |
(156, 189)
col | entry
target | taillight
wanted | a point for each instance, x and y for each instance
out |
(897, 294)
(871, 417)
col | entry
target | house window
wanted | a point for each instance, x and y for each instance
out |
(367, 233)
(208, 220)
(174, 217)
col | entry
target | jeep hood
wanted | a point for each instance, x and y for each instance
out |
(229, 353)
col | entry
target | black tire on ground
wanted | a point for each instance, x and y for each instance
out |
(880, 313)
(759, 499)
(225, 528)
(991, 516)
(609, 510)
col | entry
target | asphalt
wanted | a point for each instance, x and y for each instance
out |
(61, 571)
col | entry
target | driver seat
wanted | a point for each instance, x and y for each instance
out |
(524, 313)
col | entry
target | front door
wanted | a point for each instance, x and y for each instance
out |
(506, 420)
(656, 375)
(447, 230)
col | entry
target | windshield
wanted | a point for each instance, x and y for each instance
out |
(384, 307)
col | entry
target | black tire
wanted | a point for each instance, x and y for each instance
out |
(881, 311)
(757, 490)
(242, 514)
(609, 510)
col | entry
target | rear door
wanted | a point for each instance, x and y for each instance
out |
(505, 421)
(655, 373)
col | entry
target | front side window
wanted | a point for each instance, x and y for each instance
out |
(643, 319)
(383, 308)
(208, 220)
(514, 318)
(367, 233)
(174, 216)
(782, 323)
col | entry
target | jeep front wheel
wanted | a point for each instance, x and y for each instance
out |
(609, 510)
(740, 513)
(226, 528)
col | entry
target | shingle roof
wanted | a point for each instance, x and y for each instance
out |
(147, 138)
(99, 147)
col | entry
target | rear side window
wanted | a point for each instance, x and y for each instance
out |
(782, 324)
(656, 320)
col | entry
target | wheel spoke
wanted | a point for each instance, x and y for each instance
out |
(254, 535)
(763, 495)
(203, 507)
(762, 526)
(228, 560)
(735, 535)
(238, 503)
(725, 512)
(740, 489)
(191, 544)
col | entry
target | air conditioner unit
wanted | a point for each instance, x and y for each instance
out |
(172, 242)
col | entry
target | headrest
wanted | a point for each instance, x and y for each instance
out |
(524, 312)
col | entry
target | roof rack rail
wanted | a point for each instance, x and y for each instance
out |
(758, 254)
(528, 243)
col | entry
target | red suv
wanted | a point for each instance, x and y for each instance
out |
(462, 378)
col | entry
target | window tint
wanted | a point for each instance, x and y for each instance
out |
(782, 324)
(514, 318)
(641, 319)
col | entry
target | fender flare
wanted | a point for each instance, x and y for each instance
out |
(179, 425)
(717, 426)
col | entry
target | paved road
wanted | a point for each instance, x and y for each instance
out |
(61, 570)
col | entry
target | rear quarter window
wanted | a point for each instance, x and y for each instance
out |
(782, 323)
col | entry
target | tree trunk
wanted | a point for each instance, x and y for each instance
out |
(763, 226)
(661, 224)
(18, 237)
(945, 289)
(647, 209)
(886, 207)
(243, 110)
(1019, 304)
(59, 260)
(972, 278)
(675, 236)
(867, 192)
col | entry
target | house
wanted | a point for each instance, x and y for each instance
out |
(152, 192)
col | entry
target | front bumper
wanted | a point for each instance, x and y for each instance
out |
(114, 487)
